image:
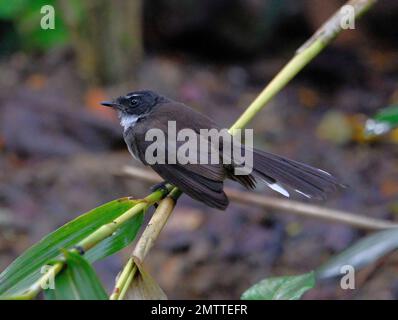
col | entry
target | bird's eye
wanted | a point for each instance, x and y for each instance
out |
(134, 102)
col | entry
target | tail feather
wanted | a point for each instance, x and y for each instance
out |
(302, 178)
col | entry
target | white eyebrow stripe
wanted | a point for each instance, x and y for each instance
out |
(133, 95)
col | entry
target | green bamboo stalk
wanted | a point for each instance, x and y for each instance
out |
(305, 54)
(277, 84)
(126, 284)
(155, 225)
(125, 276)
(145, 243)
(108, 229)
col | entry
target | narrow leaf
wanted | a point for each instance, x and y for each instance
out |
(119, 240)
(281, 288)
(25, 270)
(362, 253)
(11, 9)
(77, 281)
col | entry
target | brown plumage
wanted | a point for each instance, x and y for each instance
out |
(205, 182)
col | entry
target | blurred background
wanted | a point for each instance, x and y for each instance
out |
(60, 151)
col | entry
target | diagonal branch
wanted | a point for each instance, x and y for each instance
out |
(291, 206)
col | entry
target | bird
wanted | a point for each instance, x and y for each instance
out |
(143, 110)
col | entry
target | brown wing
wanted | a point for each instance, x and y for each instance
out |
(203, 182)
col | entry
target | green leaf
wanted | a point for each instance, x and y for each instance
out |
(281, 288)
(10, 9)
(383, 121)
(362, 253)
(34, 37)
(26, 16)
(119, 240)
(77, 281)
(25, 270)
(389, 114)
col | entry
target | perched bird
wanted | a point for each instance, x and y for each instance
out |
(141, 111)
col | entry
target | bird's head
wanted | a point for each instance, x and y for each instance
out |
(137, 103)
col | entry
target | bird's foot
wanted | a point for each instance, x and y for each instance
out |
(160, 186)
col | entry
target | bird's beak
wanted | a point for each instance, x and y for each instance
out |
(110, 104)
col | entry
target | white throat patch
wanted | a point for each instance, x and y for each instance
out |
(127, 121)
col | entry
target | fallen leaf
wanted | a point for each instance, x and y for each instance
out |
(389, 188)
(308, 98)
(143, 286)
(36, 81)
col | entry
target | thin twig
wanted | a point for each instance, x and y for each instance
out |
(291, 206)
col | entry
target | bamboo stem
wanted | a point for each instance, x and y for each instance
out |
(145, 243)
(305, 54)
(154, 228)
(124, 280)
(125, 286)
(108, 229)
(277, 84)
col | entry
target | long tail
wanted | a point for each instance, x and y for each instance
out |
(277, 171)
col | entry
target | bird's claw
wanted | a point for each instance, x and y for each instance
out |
(160, 186)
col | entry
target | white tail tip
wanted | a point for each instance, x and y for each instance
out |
(279, 188)
(303, 194)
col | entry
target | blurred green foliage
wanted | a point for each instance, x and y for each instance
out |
(25, 33)
(389, 115)
(384, 121)
(281, 288)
